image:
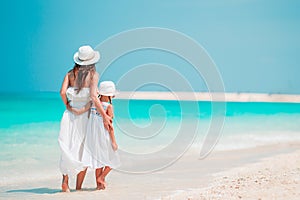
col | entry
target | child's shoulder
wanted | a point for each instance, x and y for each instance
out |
(110, 110)
(109, 106)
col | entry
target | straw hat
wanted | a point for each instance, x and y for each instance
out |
(107, 88)
(86, 56)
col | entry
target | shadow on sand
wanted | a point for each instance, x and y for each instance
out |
(45, 190)
(36, 191)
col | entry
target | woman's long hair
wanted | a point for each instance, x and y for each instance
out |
(73, 72)
(84, 71)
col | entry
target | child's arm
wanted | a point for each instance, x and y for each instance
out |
(79, 111)
(110, 112)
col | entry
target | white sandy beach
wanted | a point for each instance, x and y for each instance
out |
(274, 177)
(266, 172)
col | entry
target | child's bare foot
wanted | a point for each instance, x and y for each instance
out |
(102, 183)
(103, 186)
(65, 187)
(100, 187)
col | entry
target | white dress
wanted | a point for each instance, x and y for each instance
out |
(98, 151)
(72, 133)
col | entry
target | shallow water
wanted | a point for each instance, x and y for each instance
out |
(150, 131)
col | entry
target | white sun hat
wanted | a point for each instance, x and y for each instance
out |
(86, 56)
(107, 88)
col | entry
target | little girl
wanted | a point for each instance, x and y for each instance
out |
(100, 148)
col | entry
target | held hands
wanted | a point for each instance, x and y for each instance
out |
(80, 111)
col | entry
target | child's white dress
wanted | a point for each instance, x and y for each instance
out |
(98, 151)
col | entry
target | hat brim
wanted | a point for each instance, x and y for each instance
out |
(94, 60)
(108, 94)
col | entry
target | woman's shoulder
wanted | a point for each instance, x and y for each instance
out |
(95, 75)
(71, 77)
(71, 72)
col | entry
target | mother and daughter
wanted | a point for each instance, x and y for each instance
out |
(86, 137)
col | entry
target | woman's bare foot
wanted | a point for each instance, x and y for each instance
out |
(65, 187)
(65, 184)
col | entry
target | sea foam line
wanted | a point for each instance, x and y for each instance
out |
(206, 96)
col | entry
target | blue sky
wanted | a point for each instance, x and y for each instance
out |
(254, 43)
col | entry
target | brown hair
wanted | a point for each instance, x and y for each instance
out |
(109, 98)
(83, 72)
(73, 72)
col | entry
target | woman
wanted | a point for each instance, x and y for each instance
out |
(79, 86)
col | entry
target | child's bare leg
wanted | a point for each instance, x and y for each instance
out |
(80, 178)
(101, 178)
(98, 173)
(65, 184)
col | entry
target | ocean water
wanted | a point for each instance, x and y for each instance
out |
(29, 127)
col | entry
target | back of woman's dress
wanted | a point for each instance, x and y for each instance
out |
(72, 133)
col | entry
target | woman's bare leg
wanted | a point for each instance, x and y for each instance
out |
(98, 173)
(80, 178)
(101, 178)
(65, 184)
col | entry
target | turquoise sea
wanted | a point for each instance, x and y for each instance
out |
(29, 127)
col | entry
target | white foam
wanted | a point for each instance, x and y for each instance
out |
(206, 96)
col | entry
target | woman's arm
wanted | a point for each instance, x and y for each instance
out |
(94, 96)
(63, 90)
(110, 112)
